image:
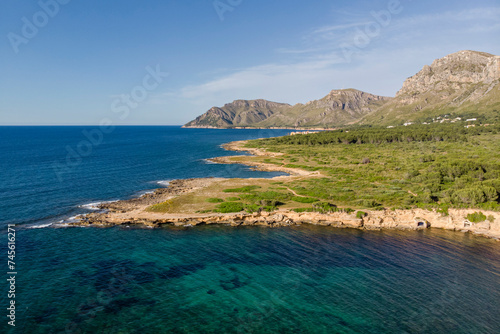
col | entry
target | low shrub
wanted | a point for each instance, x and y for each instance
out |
(370, 203)
(476, 217)
(304, 199)
(245, 189)
(250, 208)
(229, 207)
(361, 214)
(347, 210)
(324, 207)
(215, 200)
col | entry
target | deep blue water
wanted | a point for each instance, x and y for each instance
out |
(128, 161)
(216, 279)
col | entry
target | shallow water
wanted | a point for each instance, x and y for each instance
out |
(214, 279)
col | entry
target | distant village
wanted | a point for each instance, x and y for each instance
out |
(438, 119)
(301, 133)
(445, 119)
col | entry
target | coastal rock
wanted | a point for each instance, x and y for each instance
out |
(382, 219)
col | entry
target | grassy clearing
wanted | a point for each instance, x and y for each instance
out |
(214, 200)
(245, 189)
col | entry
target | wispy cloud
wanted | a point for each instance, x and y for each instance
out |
(477, 14)
(328, 29)
(316, 64)
(260, 76)
(481, 19)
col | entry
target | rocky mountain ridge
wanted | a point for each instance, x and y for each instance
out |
(455, 70)
(463, 83)
(238, 113)
(338, 107)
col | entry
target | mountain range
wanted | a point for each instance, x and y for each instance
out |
(466, 83)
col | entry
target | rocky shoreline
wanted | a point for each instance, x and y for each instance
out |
(133, 211)
(417, 219)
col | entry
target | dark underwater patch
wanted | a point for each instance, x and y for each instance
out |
(180, 271)
(233, 283)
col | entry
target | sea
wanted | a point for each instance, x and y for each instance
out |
(210, 279)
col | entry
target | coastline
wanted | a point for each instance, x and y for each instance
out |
(134, 211)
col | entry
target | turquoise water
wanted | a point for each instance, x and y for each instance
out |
(218, 279)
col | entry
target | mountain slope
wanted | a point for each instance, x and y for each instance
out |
(339, 107)
(465, 83)
(462, 83)
(238, 113)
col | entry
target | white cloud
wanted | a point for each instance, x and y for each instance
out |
(397, 52)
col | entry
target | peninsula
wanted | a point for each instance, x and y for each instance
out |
(350, 183)
(429, 157)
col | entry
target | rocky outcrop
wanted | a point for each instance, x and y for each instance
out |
(461, 83)
(374, 220)
(238, 113)
(449, 77)
(339, 107)
(351, 100)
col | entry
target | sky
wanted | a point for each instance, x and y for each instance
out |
(164, 62)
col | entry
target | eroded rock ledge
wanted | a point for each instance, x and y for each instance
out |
(375, 220)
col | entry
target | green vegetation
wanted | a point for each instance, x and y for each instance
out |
(360, 214)
(324, 207)
(229, 207)
(376, 135)
(420, 166)
(254, 199)
(304, 199)
(214, 200)
(438, 166)
(476, 217)
(245, 189)
(161, 207)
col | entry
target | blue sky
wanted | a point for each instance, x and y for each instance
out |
(87, 55)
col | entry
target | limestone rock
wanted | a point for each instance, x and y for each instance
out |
(337, 108)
